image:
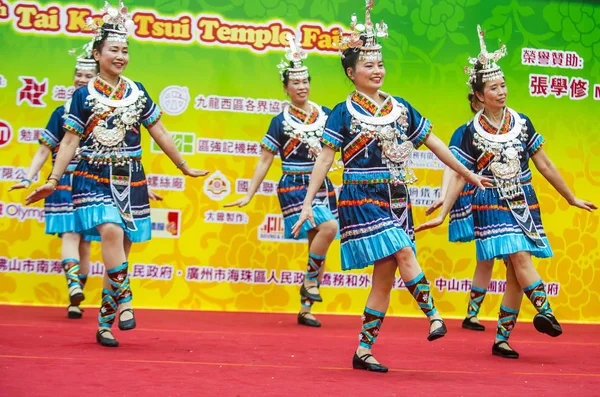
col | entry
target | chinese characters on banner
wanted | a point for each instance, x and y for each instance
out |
(544, 85)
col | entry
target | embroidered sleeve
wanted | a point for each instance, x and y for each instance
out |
(534, 140)
(419, 127)
(466, 152)
(271, 141)
(77, 113)
(333, 133)
(151, 113)
(53, 133)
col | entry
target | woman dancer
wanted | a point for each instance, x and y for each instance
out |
(377, 133)
(460, 229)
(58, 207)
(294, 134)
(507, 219)
(110, 193)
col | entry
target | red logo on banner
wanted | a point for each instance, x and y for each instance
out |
(32, 91)
(173, 223)
(5, 133)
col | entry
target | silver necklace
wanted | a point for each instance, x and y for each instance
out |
(387, 130)
(509, 136)
(307, 134)
(114, 103)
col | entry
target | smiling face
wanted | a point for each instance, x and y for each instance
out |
(112, 58)
(494, 94)
(82, 77)
(367, 76)
(298, 91)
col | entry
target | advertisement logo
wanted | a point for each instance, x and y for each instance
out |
(217, 186)
(166, 223)
(32, 91)
(273, 229)
(20, 212)
(5, 133)
(184, 141)
(174, 100)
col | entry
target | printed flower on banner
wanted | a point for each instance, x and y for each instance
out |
(576, 264)
(9, 287)
(47, 293)
(439, 19)
(272, 8)
(577, 22)
(330, 10)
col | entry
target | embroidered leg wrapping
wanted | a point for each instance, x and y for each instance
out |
(420, 290)
(537, 295)
(372, 320)
(119, 281)
(108, 309)
(475, 300)
(83, 280)
(315, 262)
(71, 268)
(507, 319)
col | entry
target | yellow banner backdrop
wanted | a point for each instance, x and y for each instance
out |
(213, 72)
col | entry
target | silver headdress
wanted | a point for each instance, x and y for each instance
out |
(119, 18)
(369, 49)
(85, 61)
(490, 69)
(294, 55)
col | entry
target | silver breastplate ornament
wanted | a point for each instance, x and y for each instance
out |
(506, 150)
(390, 132)
(108, 142)
(307, 134)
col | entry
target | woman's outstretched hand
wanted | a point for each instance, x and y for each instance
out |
(480, 181)
(240, 203)
(305, 215)
(40, 193)
(435, 222)
(584, 205)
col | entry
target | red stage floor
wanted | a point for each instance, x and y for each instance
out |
(188, 353)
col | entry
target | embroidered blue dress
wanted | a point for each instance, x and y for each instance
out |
(503, 226)
(58, 207)
(375, 215)
(109, 184)
(460, 227)
(297, 165)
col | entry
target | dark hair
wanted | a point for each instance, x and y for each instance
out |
(472, 99)
(98, 44)
(350, 56)
(478, 84)
(286, 76)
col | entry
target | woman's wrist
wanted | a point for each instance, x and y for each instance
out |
(52, 181)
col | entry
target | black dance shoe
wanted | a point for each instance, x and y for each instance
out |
(74, 312)
(313, 297)
(108, 342)
(547, 324)
(360, 363)
(303, 320)
(499, 351)
(127, 324)
(437, 333)
(473, 326)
